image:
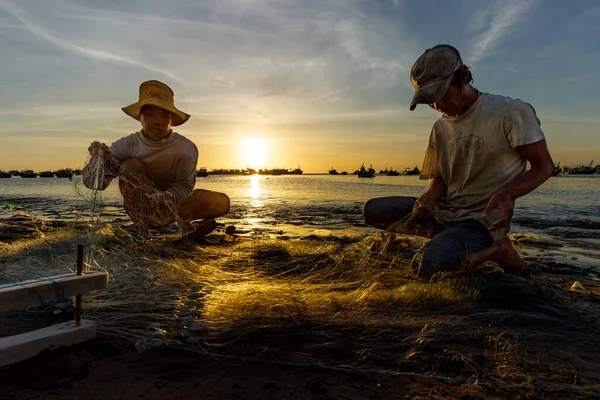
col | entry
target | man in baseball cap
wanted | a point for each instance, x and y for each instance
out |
(476, 165)
(432, 73)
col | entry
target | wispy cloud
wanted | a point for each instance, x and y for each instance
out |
(37, 29)
(497, 20)
(260, 57)
(587, 21)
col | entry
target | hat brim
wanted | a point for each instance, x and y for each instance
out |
(133, 110)
(431, 93)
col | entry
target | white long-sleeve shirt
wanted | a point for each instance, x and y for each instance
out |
(171, 163)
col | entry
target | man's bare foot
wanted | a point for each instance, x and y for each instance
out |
(502, 253)
(509, 260)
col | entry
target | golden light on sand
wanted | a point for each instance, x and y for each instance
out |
(255, 152)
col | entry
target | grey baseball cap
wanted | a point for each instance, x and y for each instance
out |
(432, 73)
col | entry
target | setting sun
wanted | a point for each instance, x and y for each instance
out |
(255, 152)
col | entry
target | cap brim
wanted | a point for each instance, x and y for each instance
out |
(133, 110)
(431, 93)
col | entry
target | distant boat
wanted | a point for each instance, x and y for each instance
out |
(392, 172)
(4, 174)
(557, 170)
(582, 169)
(280, 171)
(333, 171)
(64, 173)
(46, 174)
(366, 173)
(414, 171)
(344, 173)
(202, 173)
(28, 174)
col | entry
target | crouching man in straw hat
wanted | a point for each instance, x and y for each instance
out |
(476, 162)
(156, 169)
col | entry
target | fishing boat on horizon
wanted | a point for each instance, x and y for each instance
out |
(280, 171)
(28, 173)
(413, 171)
(557, 170)
(64, 173)
(333, 171)
(4, 174)
(366, 173)
(46, 174)
(589, 169)
(392, 172)
(202, 173)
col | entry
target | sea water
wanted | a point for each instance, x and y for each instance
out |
(565, 209)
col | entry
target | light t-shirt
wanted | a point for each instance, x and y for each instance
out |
(474, 153)
(171, 163)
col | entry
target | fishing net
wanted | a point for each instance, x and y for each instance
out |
(420, 222)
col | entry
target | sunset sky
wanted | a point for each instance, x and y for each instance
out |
(282, 83)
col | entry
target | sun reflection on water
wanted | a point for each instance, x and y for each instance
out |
(255, 191)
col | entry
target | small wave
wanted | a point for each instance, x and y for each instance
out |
(574, 233)
(535, 240)
(586, 224)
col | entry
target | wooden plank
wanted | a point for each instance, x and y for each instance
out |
(26, 345)
(14, 296)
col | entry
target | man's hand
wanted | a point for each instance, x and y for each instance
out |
(97, 148)
(425, 201)
(160, 197)
(504, 203)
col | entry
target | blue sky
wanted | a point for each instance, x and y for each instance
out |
(321, 82)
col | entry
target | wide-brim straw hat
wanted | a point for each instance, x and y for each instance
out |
(157, 94)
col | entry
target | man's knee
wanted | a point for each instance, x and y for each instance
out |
(218, 203)
(226, 204)
(372, 214)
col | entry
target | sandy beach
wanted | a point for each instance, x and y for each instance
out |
(320, 317)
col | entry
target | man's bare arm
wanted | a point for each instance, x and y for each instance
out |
(434, 193)
(541, 169)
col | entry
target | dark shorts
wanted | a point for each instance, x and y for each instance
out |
(444, 251)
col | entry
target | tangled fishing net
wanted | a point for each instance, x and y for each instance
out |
(420, 222)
